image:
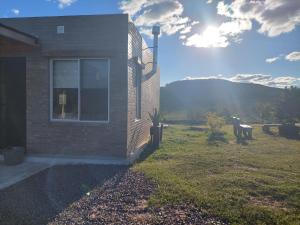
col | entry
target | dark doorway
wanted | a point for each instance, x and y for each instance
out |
(12, 102)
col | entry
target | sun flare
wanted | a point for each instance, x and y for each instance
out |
(211, 37)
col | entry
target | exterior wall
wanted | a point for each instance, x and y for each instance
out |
(139, 129)
(85, 36)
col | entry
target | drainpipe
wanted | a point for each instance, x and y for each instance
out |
(156, 33)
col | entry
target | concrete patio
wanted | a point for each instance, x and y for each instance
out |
(10, 175)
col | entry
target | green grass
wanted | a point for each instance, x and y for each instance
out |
(257, 182)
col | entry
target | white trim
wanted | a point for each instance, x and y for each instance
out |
(78, 59)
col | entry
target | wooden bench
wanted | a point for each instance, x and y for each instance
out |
(266, 127)
(246, 130)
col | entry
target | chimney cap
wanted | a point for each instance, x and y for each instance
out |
(156, 30)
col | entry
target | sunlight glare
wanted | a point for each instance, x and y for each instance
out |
(211, 37)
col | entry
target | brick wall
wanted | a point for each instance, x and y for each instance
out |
(139, 129)
(85, 36)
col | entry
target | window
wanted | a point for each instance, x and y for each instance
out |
(138, 94)
(65, 89)
(80, 90)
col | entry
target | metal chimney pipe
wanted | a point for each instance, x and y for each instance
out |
(156, 33)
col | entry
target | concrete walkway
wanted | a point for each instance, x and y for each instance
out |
(10, 175)
(34, 164)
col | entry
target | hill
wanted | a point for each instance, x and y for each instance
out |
(192, 99)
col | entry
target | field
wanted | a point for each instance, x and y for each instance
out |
(254, 182)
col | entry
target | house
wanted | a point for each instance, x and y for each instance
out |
(77, 86)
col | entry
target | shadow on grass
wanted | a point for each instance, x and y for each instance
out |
(38, 199)
(291, 136)
(215, 138)
(149, 150)
(242, 140)
(201, 129)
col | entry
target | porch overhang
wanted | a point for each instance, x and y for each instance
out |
(19, 36)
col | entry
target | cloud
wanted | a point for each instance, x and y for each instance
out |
(271, 60)
(15, 11)
(221, 36)
(186, 30)
(293, 56)
(167, 13)
(262, 79)
(65, 3)
(275, 17)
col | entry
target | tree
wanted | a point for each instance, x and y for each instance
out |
(288, 107)
(266, 112)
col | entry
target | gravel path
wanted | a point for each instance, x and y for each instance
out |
(37, 200)
(90, 195)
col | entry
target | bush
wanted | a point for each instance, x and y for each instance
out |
(289, 131)
(215, 123)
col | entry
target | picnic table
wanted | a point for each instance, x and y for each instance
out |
(241, 129)
(247, 130)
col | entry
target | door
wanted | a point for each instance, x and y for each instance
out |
(12, 102)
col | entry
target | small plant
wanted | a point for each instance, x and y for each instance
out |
(155, 130)
(215, 123)
(155, 118)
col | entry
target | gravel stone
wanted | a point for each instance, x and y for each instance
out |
(86, 195)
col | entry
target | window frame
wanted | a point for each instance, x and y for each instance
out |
(78, 59)
(138, 95)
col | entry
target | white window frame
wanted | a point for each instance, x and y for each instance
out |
(79, 99)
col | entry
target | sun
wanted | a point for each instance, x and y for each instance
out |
(212, 37)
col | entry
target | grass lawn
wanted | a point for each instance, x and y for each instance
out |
(257, 182)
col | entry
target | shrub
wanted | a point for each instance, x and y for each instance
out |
(155, 118)
(215, 123)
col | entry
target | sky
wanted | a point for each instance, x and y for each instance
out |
(255, 41)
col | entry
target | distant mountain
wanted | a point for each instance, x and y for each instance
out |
(182, 99)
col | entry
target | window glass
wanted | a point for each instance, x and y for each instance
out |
(65, 89)
(80, 95)
(138, 94)
(94, 90)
